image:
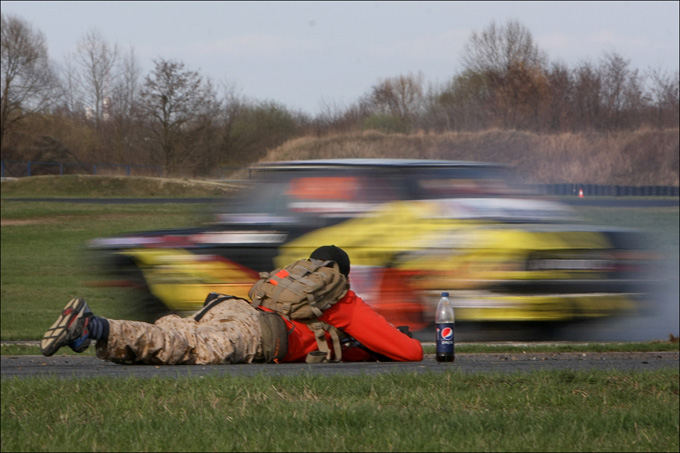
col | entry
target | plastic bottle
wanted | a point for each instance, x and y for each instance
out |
(444, 324)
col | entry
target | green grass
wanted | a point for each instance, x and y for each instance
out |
(44, 260)
(448, 411)
(660, 223)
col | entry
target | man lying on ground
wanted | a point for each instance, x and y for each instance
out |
(339, 325)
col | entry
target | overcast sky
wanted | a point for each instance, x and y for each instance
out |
(308, 55)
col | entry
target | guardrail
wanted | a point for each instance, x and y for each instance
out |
(604, 190)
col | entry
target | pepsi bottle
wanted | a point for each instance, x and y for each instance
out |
(444, 321)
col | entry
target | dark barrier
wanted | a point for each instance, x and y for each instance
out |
(601, 190)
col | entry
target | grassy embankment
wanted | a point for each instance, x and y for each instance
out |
(633, 158)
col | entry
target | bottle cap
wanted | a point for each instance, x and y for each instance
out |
(445, 294)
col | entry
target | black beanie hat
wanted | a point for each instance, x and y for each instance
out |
(333, 253)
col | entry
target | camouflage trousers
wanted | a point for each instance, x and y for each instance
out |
(230, 332)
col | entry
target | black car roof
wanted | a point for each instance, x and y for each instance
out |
(410, 163)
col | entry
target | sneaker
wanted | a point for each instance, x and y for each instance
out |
(69, 329)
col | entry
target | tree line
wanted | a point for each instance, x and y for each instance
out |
(97, 106)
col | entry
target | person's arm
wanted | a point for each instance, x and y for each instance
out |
(356, 318)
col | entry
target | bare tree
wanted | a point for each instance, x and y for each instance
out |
(335, 118)
(28, 81)
(256, 127)
(97, 61)
(620, 90)
(126, 87)
(400, 96)
(70, 99)
(665, 94)
(508, 71)
(179, 104)
(560, 100)
(587, 104)
(122, 109)
(498, 48)
(466, 103)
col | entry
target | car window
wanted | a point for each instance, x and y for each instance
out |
(283, 195)
(433, 183)
(341, 193)
(324, 188)
(279, 196)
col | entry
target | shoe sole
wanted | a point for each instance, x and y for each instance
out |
(56, 335)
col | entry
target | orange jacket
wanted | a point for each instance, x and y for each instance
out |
(356, 318)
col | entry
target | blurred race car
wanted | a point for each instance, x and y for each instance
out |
(412, 229)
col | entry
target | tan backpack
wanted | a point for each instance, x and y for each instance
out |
(302, 291)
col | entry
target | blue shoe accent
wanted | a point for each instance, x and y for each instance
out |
(83, 341)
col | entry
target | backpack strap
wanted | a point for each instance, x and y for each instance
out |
(274, 337)
(324, 353)
(335, 338)
(211, 301)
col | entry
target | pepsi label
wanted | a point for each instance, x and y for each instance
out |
(445, 341)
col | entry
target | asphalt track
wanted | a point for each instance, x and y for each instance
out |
(72, 366)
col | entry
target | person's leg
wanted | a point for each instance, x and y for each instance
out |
(230, 332)
(169, 341)
(129, 341)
